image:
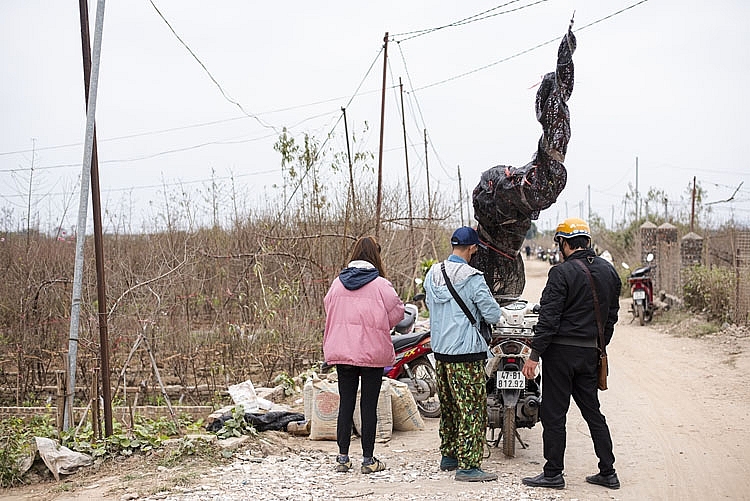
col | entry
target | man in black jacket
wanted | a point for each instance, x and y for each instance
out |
(566, 339)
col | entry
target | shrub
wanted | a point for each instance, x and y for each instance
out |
(707, 290)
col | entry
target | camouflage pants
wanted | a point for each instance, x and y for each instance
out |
(463, 411)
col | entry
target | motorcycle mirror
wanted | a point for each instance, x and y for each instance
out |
(625, 265)
(649, 257)
(418, 297)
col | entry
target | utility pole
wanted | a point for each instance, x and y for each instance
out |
(427, 173)
(460, 195)
(379, 199)
(28, 208)
(692, 211)
(636, 191)
(408, 178)
(101, 288)
(75, 309)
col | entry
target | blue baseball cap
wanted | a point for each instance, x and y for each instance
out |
(466, 236)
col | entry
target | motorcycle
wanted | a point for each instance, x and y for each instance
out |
(512, 400)
(414, 363)
(642, 291)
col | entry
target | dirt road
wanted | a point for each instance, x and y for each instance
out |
(678, 409)
(679, 413)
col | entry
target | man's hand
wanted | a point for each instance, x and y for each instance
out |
(529, 369)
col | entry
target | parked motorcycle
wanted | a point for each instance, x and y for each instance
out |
(512, 400)
(414, 361)
(642, 291)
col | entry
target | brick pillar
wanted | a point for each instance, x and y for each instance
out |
(648, 241)
(691, 252)
(668, 271)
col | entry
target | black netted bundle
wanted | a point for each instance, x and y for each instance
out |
(507, 198)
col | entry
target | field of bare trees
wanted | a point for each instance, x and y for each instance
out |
(214, 305)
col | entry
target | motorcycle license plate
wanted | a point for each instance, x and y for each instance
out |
(639, 294)
(511, 380)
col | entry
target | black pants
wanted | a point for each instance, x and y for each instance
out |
(571, 371)
(349, 376)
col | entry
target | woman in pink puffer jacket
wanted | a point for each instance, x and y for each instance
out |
(361, 309)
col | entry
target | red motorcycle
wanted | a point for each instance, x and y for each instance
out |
(642, 291)
(414, 364)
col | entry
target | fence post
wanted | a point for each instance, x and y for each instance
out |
(60, 399)
(667, 271)
(95, 428)
(691, 254)
(742, 275)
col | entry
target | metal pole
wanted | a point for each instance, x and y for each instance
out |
(101, 287)
(75, 308)
(350, 204)
(460, 195)
(349, 157)
(427, 173)
(692, 211)
(636, 191)
(379, 201)
(408, 178)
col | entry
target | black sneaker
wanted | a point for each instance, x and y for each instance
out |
(556, 482)
(609, 481)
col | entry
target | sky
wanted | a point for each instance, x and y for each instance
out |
(191, 92)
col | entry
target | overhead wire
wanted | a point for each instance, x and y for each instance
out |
(474, 18)
(413, 95)
(160, 185)
(218, 85)
(526, 51)
(171, 151)
(468, 20)
(322, 146)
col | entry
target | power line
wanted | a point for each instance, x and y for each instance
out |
(161, 185)
(526, 51)
(471, 19)
(209, 73)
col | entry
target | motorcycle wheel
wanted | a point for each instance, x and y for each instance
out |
(641, 314)
(649, 315)
(509, 431)
(422, 369)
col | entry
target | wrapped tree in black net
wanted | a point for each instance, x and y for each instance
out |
(507, 198)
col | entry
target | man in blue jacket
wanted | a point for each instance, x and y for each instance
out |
(460, 352)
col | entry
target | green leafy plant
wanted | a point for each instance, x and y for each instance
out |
(287, 382)
(16, 443)
(236, 426)
(186, 447)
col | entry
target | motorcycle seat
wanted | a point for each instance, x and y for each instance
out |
(403, 341)
(640, 272)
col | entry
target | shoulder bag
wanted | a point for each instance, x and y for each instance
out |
(484, 329)
(603, 368)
